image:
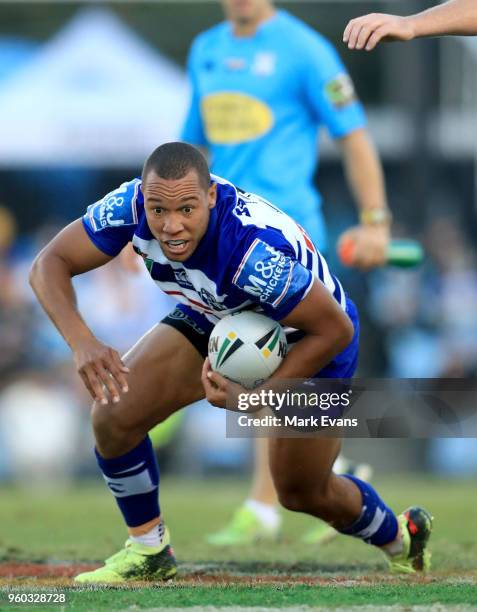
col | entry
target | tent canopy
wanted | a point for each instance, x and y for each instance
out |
(96, 94)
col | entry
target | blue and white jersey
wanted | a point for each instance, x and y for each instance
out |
(252, 256)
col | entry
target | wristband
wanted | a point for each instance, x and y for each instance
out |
(375, 216)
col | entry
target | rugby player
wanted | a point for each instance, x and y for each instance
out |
(456, 17)
(263, 85)
(201, 238)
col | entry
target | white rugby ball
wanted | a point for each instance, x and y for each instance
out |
(247, 347)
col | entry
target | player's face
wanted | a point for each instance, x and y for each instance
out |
(245, 11)
(177, 212)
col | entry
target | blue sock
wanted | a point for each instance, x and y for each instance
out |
(377, 523)
(134, 481)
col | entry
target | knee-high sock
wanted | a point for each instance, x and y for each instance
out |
(133, 479)
(377, 524)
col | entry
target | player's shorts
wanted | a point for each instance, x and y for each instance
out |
(197, 328)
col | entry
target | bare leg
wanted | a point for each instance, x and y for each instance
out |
(164, 376)
(258, 517)
(302, 472)
(263, 488)
(302, 476)
(159, 363)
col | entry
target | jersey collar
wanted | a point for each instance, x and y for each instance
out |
(261, 28)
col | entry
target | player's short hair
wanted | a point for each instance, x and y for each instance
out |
(174, 160)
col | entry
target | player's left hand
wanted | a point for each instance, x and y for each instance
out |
(219, 389)
(370, 245)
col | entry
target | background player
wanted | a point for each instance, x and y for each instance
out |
(201, 240)
(456, 17)
(263, 84)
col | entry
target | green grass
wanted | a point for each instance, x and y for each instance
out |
(276, 596)
(82, 524)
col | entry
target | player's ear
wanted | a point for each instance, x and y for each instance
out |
(212, 195)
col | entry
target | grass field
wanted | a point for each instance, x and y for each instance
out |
(44, 535)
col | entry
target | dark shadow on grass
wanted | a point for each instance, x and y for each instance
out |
(302, 568)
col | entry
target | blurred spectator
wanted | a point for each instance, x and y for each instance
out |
(428, 315)
(15, 313)
(39, 420)
(41, 405)
(455, 263)
(120, 301)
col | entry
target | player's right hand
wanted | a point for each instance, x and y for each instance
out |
(367, 31)
(101, 369)
(364, 246)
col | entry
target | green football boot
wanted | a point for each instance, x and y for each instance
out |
(320, 534)
(244, 528)
(134, 562)
(416, 526)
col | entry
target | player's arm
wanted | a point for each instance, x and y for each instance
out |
(456, 17)
(193, 129)
(328, 331)
(331, 94)
(365, 178)
(70, 253)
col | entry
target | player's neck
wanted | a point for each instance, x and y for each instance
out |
(244, 29)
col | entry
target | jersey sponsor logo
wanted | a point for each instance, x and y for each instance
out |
(264, 63)
(265, 273)
(182, 279)
(235, 64)
(232, 118)
(114, 210)
(340, 90)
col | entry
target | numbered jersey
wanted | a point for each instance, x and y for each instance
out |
(252, 255)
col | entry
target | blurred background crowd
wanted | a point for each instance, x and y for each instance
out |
(87, 91)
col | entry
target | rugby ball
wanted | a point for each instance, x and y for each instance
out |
(247, 347)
